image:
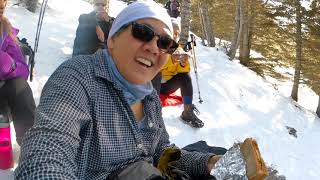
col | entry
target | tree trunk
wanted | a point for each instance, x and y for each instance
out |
(294, 92)
(208, 24)
(237, 31)
(244, 53)
(318, 109)
(202, 24)
(185, 21)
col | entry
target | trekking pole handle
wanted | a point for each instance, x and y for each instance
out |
(193, 40)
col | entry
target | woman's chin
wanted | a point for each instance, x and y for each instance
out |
(139, 81)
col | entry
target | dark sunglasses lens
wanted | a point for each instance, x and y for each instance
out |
(164, 42)
(146, 34)
(167, 44)
(100, 4)
(142, 32)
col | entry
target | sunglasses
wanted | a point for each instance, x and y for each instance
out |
(100, 4)
(145, 33)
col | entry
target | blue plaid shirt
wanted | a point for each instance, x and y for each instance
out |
(85, 129)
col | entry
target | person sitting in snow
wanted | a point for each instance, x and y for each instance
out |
(175, 75)
(99, 116)
(16, 96)
(93, 30)
(173, 8)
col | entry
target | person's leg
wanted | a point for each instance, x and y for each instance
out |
(188, 114)
(5, 114)
(22, 105)
(176, 82)
(184, 82)
(156, 82)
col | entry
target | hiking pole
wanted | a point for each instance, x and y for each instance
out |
(36, 42)
(193, 44)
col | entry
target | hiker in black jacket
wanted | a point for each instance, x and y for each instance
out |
(173, 7)
(93, 30)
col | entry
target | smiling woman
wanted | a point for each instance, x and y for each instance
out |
(99, 116)
(149, 51)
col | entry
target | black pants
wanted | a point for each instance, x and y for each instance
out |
(17, 95)
(182, 81)
(156, 82)
(202, 146)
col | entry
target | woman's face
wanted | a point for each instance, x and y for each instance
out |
(100, 6)
(176, 33)
(3, 4)
(138, 61)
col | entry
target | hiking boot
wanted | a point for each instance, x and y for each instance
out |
(190, 118)
(255, 166)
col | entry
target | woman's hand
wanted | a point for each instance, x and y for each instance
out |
(212, 161)
(184, 62)
(100, 33)
(180, 58)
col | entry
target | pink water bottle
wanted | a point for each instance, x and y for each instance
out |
(6, 160)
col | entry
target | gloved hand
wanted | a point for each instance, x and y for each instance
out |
(168, 155)
(177, 174)
(187, 47)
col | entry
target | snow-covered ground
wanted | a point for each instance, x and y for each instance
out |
(237, 103)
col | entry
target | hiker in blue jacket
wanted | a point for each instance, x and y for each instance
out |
(93, 30)
(99, 116)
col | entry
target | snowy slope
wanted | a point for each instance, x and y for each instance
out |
(237, 102)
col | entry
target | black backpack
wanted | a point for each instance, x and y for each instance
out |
(28, 53)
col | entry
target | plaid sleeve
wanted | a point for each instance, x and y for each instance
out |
(50, 147)
(194, 163)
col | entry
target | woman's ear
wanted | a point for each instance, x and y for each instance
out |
(110, 43)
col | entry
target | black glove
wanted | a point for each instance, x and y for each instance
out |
(178, 174)
(187, 47)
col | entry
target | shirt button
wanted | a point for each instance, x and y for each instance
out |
(139, 146)
(146, 153)
(151, 124)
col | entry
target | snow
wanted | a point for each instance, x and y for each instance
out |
(236, 102)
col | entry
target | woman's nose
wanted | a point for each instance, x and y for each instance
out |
(152, 46)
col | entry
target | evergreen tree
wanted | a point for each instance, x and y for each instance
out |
(311, 47)
(294, 92)
(206, 23)
(237, 32)
(185, 21)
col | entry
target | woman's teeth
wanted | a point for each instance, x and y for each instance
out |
(144, 61)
